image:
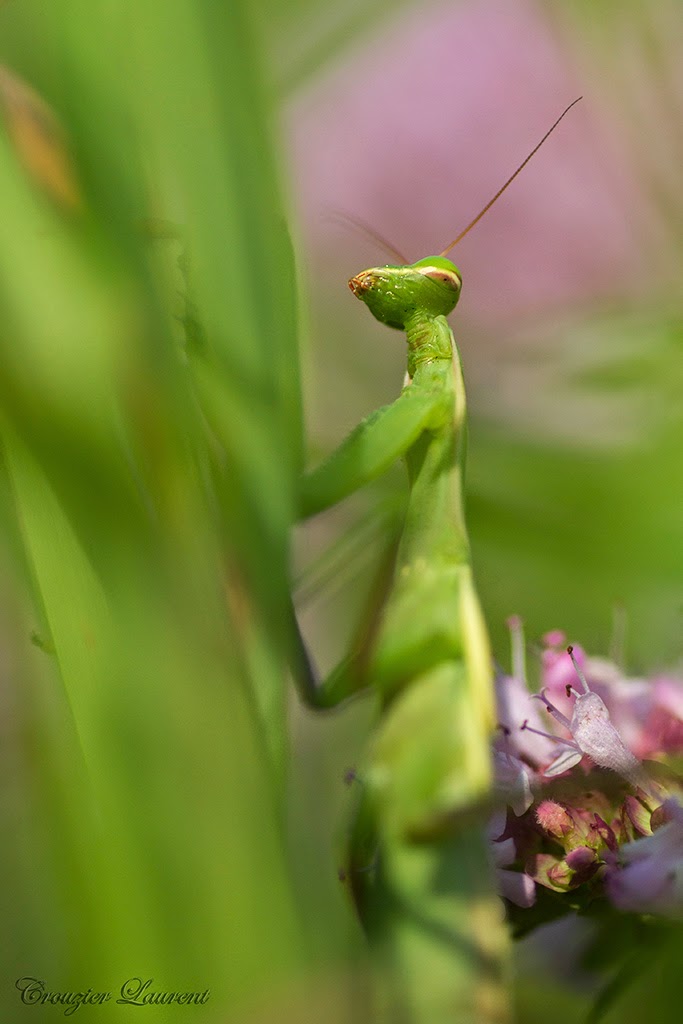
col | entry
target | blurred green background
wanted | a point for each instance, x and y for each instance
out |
(168, 812)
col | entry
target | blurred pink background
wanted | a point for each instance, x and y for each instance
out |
(417, 130)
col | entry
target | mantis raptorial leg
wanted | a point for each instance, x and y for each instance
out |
(431, 899)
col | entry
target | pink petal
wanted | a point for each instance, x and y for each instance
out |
(517, 887)
(503, 852)
(668, 693)
(514, 707)
(639, 886)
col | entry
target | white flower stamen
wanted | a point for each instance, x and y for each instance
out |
(578, 670)
(569, 756)
(552, 710)
(517, 648)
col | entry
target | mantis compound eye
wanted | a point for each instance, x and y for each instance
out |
(445, 277)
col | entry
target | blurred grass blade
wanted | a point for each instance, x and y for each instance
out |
(152, 486)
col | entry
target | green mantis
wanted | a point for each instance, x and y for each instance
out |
(427, 893)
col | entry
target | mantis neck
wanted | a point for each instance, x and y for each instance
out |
(435, 523)
(429, 338)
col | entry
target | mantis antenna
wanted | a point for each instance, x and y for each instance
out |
(347, 220)
(508, 182)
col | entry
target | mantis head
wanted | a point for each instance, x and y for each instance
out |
(428, 288)
(395, 295)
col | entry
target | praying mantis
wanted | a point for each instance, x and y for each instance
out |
(418, 862)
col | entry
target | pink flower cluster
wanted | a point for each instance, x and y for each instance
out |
(579, 810)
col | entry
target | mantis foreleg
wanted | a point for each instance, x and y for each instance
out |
(370, 449)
